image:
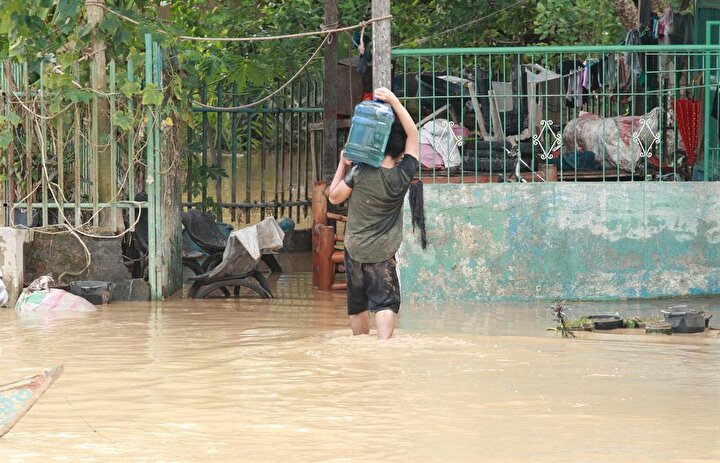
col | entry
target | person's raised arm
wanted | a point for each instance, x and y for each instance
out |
(339, 191)
(412, 146)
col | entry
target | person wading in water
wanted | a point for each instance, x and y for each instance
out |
(373, 233)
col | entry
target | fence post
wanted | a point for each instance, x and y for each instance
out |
(163, 188)
(154, 269)
(131, 147)
(709, 82)
(28, 147)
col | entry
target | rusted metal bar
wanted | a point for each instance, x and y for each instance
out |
(218, 153)
(233, 153)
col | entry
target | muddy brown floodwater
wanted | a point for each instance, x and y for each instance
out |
(250, 380)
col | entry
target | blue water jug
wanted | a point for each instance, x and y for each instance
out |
(369, 132)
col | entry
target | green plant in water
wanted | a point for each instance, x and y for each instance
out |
(579, 324)
(585, 324)
(558, 309)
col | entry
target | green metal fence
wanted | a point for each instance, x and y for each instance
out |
(246, 162)
(158, 270)
(584, 113)
(51, 156)
(78, 158)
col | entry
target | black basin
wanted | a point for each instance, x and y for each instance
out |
(95, 292)
(606, 322)
(685, 321)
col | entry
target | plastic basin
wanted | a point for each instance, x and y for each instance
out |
(95, 292)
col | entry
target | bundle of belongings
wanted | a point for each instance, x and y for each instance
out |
(616, 141)
(41, 299)
(440, 142)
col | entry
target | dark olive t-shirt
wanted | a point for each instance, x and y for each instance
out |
(374, 226)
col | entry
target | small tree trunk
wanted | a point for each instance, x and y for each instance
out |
(659, 6)
(381, 44)
(627, 12)
(95, 14)
(171, 143)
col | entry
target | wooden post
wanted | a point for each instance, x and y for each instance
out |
(329, 156)
(95, 15)
(325, 246)
(171, 239)
(319, 209)
(381, 44)
(319, 203)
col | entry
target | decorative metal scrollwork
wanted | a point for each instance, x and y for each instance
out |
(458, 140)
(555, 137)
(639, 140)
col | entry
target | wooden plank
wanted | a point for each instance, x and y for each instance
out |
(333, 216)
(593, 175)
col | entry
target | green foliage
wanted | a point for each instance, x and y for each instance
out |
(7, 123)
(123, 120)
(6, 137)
(54, 38)
(199, 175)
(151, 95)
(11, 118)
(130, 89)
(560, 22)
(57, 28)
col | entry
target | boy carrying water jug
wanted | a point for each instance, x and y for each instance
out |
(373, 233)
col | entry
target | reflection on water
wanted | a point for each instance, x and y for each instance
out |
(283, 380)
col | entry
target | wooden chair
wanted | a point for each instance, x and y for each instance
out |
(327, 257)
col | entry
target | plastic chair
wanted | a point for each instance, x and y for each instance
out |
(235, 263)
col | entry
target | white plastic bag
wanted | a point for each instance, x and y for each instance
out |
(438, 133)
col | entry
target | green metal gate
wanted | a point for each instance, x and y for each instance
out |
(52, 150)
(153, 75)
(247, 161)
(711, 116)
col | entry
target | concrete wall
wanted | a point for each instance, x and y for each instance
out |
(564, 241)
(12, 260)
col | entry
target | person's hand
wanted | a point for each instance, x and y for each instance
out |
(344, 160)
(386, 95)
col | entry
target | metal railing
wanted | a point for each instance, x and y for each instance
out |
(78, 157)
(53, 156)
(248, 162)
(598, 113)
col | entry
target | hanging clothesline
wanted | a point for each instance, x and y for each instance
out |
(322, 31)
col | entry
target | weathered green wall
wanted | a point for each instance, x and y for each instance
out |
(564, 241)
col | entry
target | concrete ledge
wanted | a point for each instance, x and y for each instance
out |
(12, 260)
(60, 253)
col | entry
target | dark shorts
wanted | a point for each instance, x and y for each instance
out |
(372, 287)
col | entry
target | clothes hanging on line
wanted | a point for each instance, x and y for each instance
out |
(661, 27)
